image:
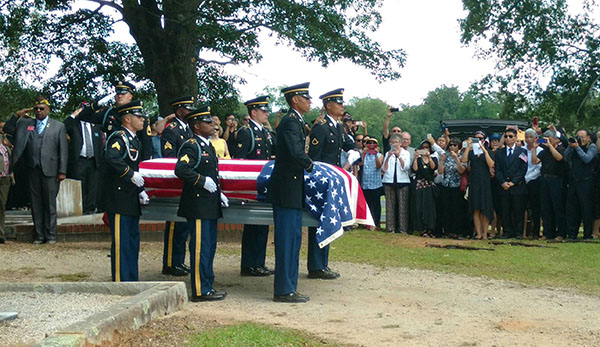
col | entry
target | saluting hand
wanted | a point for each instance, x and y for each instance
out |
(24, 112)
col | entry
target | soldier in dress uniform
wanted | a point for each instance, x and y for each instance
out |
(286, 192)
(254, 141)
(124, 191)
(110, 120)
(327, 141)
(176, 233)
(201, 201)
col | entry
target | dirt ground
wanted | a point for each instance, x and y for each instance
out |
(367, 306)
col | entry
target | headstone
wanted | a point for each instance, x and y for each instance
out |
(68, 201)
(5, 316)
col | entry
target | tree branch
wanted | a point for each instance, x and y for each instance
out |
(109, 4)
(223, 63)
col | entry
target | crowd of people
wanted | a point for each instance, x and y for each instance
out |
(444, 187)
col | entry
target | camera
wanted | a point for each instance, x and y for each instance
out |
(475, 140)
(575, 139)
(394, 109)
(422, 151)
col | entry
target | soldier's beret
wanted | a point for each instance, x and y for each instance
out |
(183, 101)
(336, 95)
(298, 89)
(202, 114)
(134, 108)
(261, 103)
(124, 87)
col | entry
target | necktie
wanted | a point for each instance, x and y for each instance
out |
(396, 170)
(510, 152)
(89, 149)
(39, 127)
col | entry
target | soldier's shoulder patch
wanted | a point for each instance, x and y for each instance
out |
(191, 140)
(185, 158)
(116, 145)
(314, 141)
(168, 145)
(322, 121)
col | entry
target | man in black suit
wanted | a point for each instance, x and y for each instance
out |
(286, 192)
(327, 141)
(511, 166)
(176, 233)
(85, 156)
(201, 201)
(42, 142)
(254, 141)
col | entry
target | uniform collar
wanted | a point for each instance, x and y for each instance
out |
(260, 127)
(183, 124)
(203, 139)
(332, 120)
(132, 133)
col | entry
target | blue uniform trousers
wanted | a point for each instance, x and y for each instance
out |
(318, 258)
(203, 245)
(176, 233)
(288, 239)
(580, 206)
(553, 206)
(125, 247)
(254, 245)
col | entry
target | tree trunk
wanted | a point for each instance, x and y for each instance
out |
(169, 53)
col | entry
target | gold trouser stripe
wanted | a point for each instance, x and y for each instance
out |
(170, 244)
(198, 232)
(117, 247)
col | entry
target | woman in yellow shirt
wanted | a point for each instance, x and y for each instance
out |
(219, 144)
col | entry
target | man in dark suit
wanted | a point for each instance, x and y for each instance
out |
(201, 201)
(254, 141)
(176, 233)
(327, 140)
(124, 187)
(42, 142)
(85, 157)
(511, 166)
(286, 192)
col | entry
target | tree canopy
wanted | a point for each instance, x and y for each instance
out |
(181, 47)
(548, 55)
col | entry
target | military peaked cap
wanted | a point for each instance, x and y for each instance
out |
(298, 89)
(123, 87)
(202, 114)
(184, 101)
(134, 108)
(336, 95)
(261, 103)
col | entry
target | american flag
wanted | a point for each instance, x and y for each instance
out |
(333, 195)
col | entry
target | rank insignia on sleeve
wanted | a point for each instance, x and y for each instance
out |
(315, 141)
(239, 145)
(185, 158)
(116, 145)
(168, 145)
(148, 130)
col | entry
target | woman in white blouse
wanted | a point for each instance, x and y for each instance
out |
(396, 182)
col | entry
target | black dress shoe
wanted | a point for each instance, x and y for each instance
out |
(254, 272)
(324, 274)
(291, 298)
(271, 272)
(213, 295)
(185, 267)
(337, 274)
(174, 271)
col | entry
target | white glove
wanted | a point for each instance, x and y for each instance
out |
(224, 200)
(353, 155)
(137, 179)
(210, 185)
(104, 100)
(144, 199)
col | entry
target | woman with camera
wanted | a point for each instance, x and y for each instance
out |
(480, 183)
(453, 209)
(396, 183)
(371, 184)
(424, 166)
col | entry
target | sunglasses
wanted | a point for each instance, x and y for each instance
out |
(396, 131)
(453, 145)
(39, 108)
(246, 120)
(508, 136)
(478, 137)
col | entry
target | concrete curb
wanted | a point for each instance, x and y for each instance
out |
(150, 300)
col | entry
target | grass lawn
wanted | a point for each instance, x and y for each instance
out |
(571, 265)
(256, 335)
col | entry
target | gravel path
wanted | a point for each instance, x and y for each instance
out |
(43, 313)
(368, 305)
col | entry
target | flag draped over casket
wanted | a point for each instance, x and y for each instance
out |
(333, 196)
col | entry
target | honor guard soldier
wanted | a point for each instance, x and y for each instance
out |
(327, 141)
(201, 201)
(286, 192)
(254, 141)
(125, 191)
(110, 120)
(176, 233)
